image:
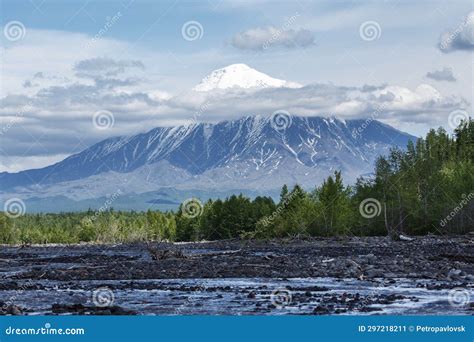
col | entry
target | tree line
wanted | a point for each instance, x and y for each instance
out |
(426, 188)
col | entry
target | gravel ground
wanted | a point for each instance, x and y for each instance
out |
(431, 263)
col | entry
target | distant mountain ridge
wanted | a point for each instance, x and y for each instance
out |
(247, 153)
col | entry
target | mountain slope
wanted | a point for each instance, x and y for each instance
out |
(239, 154)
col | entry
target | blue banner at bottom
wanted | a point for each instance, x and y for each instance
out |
(237, 328)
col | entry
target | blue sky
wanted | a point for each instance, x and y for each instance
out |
(47, 101)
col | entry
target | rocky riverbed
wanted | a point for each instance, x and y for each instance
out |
(372, 275)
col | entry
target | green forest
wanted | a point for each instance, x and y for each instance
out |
(426, 188)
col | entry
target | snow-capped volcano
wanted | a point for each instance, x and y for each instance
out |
(241, 76)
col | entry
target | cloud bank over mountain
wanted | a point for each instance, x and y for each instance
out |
(66, 110)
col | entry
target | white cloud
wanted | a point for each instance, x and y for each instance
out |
(262, 38)
(105, 67)
(39, 52)
(32, 162)
(445, 74)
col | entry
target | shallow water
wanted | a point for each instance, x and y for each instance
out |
(231, 296)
